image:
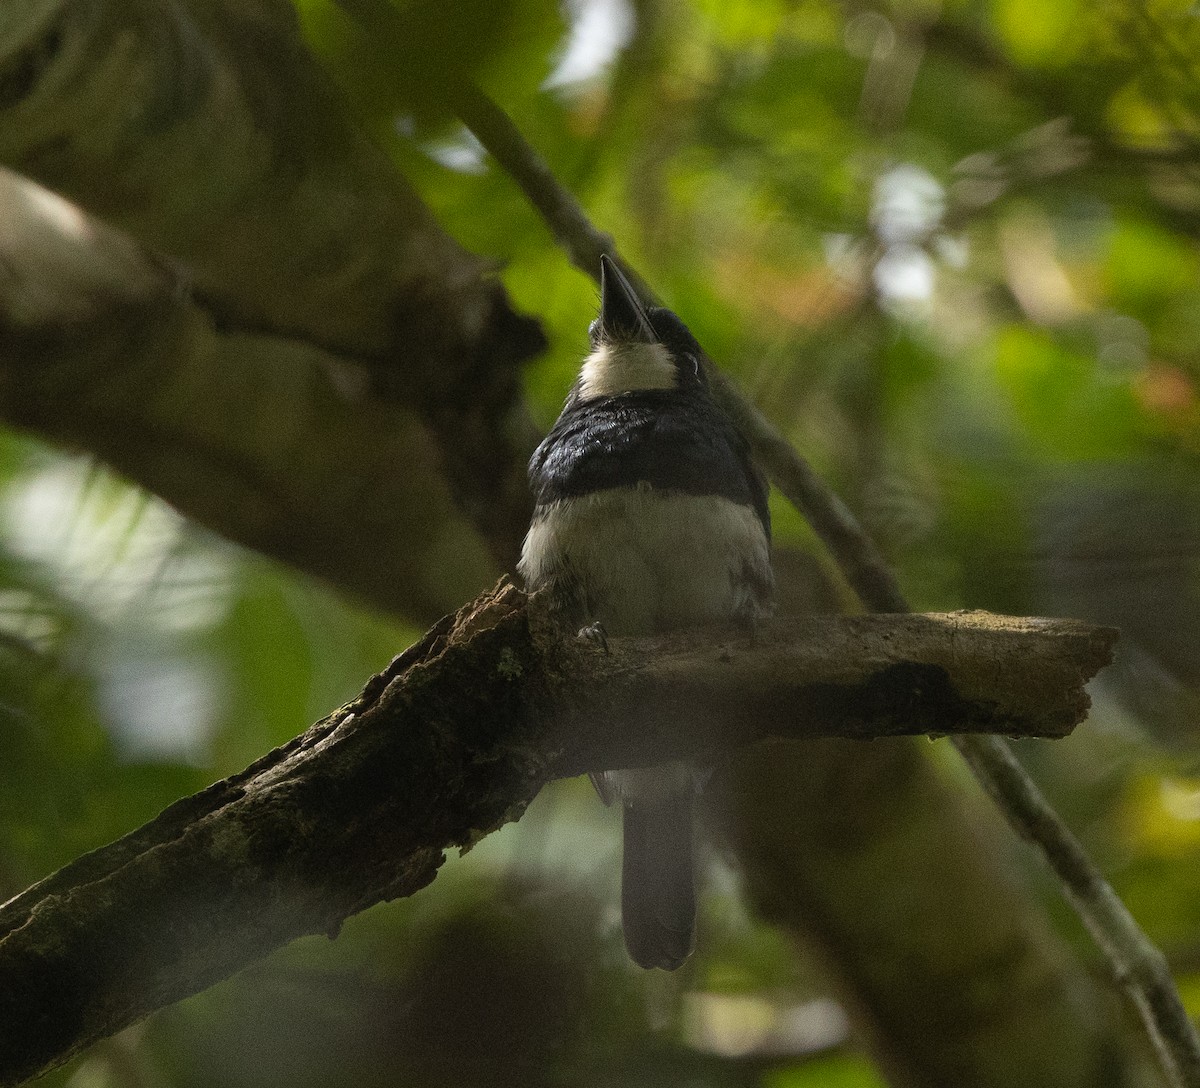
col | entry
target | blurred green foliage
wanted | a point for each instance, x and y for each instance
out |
(825, 1073)
(950, 248)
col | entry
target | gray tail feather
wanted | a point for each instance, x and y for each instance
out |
(658, 887)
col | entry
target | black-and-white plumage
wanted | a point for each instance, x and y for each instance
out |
(650, 515)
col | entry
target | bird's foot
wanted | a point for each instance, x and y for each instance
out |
(595, 634)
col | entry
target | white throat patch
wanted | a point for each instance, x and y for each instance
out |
(622, 368)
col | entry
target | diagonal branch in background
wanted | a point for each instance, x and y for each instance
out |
(1138, 966)
(103, 347)
(452, 741)
(207, 132)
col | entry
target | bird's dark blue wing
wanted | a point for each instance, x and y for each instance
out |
(658, 437)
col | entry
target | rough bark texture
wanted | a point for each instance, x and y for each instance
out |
(452, 741)
(207, 132)
(850, 676)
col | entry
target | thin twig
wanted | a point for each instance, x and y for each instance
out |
(1137, 964)
(575, 233)
(857, 556)
(572, 230)
(568, 222)
(1139, 967)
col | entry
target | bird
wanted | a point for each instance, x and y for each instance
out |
(649, 515)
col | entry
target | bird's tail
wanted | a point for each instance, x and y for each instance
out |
(658, 887)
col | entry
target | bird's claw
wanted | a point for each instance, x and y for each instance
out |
(595, 634)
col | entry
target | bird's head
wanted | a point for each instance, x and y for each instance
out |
(634, 347)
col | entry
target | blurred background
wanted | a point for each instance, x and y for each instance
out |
(951, 250)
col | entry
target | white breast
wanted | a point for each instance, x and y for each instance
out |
(651, 560)
(622, 368)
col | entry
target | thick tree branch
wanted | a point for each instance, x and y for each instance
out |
(452, 741)
(103, 347)
(205, 130)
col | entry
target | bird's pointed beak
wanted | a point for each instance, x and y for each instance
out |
(621, 314)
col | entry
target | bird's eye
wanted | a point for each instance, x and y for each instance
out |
(695, 366)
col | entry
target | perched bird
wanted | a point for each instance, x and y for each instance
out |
(649, 516)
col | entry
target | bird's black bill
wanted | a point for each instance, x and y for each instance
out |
(621, 314)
